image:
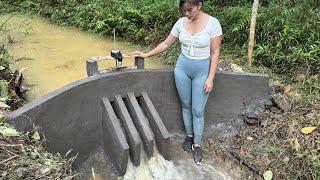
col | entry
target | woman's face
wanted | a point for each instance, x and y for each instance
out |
(191, 11)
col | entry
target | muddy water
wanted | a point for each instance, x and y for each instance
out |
(55, 56)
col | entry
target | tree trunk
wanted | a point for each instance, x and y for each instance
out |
(252, 29)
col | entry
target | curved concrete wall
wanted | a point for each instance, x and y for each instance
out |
(70, 117)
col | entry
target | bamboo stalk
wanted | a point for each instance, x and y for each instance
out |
(252, 29)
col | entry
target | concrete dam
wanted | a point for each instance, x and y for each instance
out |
(122, 113)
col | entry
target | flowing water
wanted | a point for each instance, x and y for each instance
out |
(181, 167)
(157, 168)
(54, 56)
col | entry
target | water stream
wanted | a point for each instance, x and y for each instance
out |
(54, 56)
(157, 168)
(180, 167)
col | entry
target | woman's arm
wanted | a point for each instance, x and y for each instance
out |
(215, 52)
(157, 50)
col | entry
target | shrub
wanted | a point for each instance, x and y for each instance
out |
(287, 32)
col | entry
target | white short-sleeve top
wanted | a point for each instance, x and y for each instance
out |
(197, 46)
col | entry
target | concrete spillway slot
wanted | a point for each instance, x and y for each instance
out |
(102, 118)
(120, 135)
(133, 137)
(141, 124)
(113, 137)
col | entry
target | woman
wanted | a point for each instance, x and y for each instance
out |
(200, 38)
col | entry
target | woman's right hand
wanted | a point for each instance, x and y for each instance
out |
(139, 54)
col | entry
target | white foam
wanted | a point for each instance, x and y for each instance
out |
(157, 168)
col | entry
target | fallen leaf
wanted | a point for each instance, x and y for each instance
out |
(239, 168)
(2, 68)
(3, 105)
(295, 144)
(249, 138)
(5, 131)
(36, 136)
(307, 130)
(267, 175)
(286, 159)
(286, 88)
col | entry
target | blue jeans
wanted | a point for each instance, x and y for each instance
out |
(190, 76)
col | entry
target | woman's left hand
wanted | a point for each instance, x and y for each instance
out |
(208, 85)
(139, 54)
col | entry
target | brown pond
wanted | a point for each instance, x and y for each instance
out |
(54, 56)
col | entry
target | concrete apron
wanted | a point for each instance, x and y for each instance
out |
(115, 114)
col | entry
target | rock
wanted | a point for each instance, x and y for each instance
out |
(267, 103)
(276, 116)
(252, 121)
(282, 101)
(310, 116)
(275, 110)
(277, 89)
(236, 68)
(253, 113)
(249, 138)
(264, 123)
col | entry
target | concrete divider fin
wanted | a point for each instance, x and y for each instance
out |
(141, 124)
(132, 134)
(113, 138)
(160, 131)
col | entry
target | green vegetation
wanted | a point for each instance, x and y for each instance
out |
(287, 38)
(287, 47)
(4, 57)
(23, 157)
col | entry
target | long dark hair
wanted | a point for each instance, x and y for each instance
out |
(193, 2)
